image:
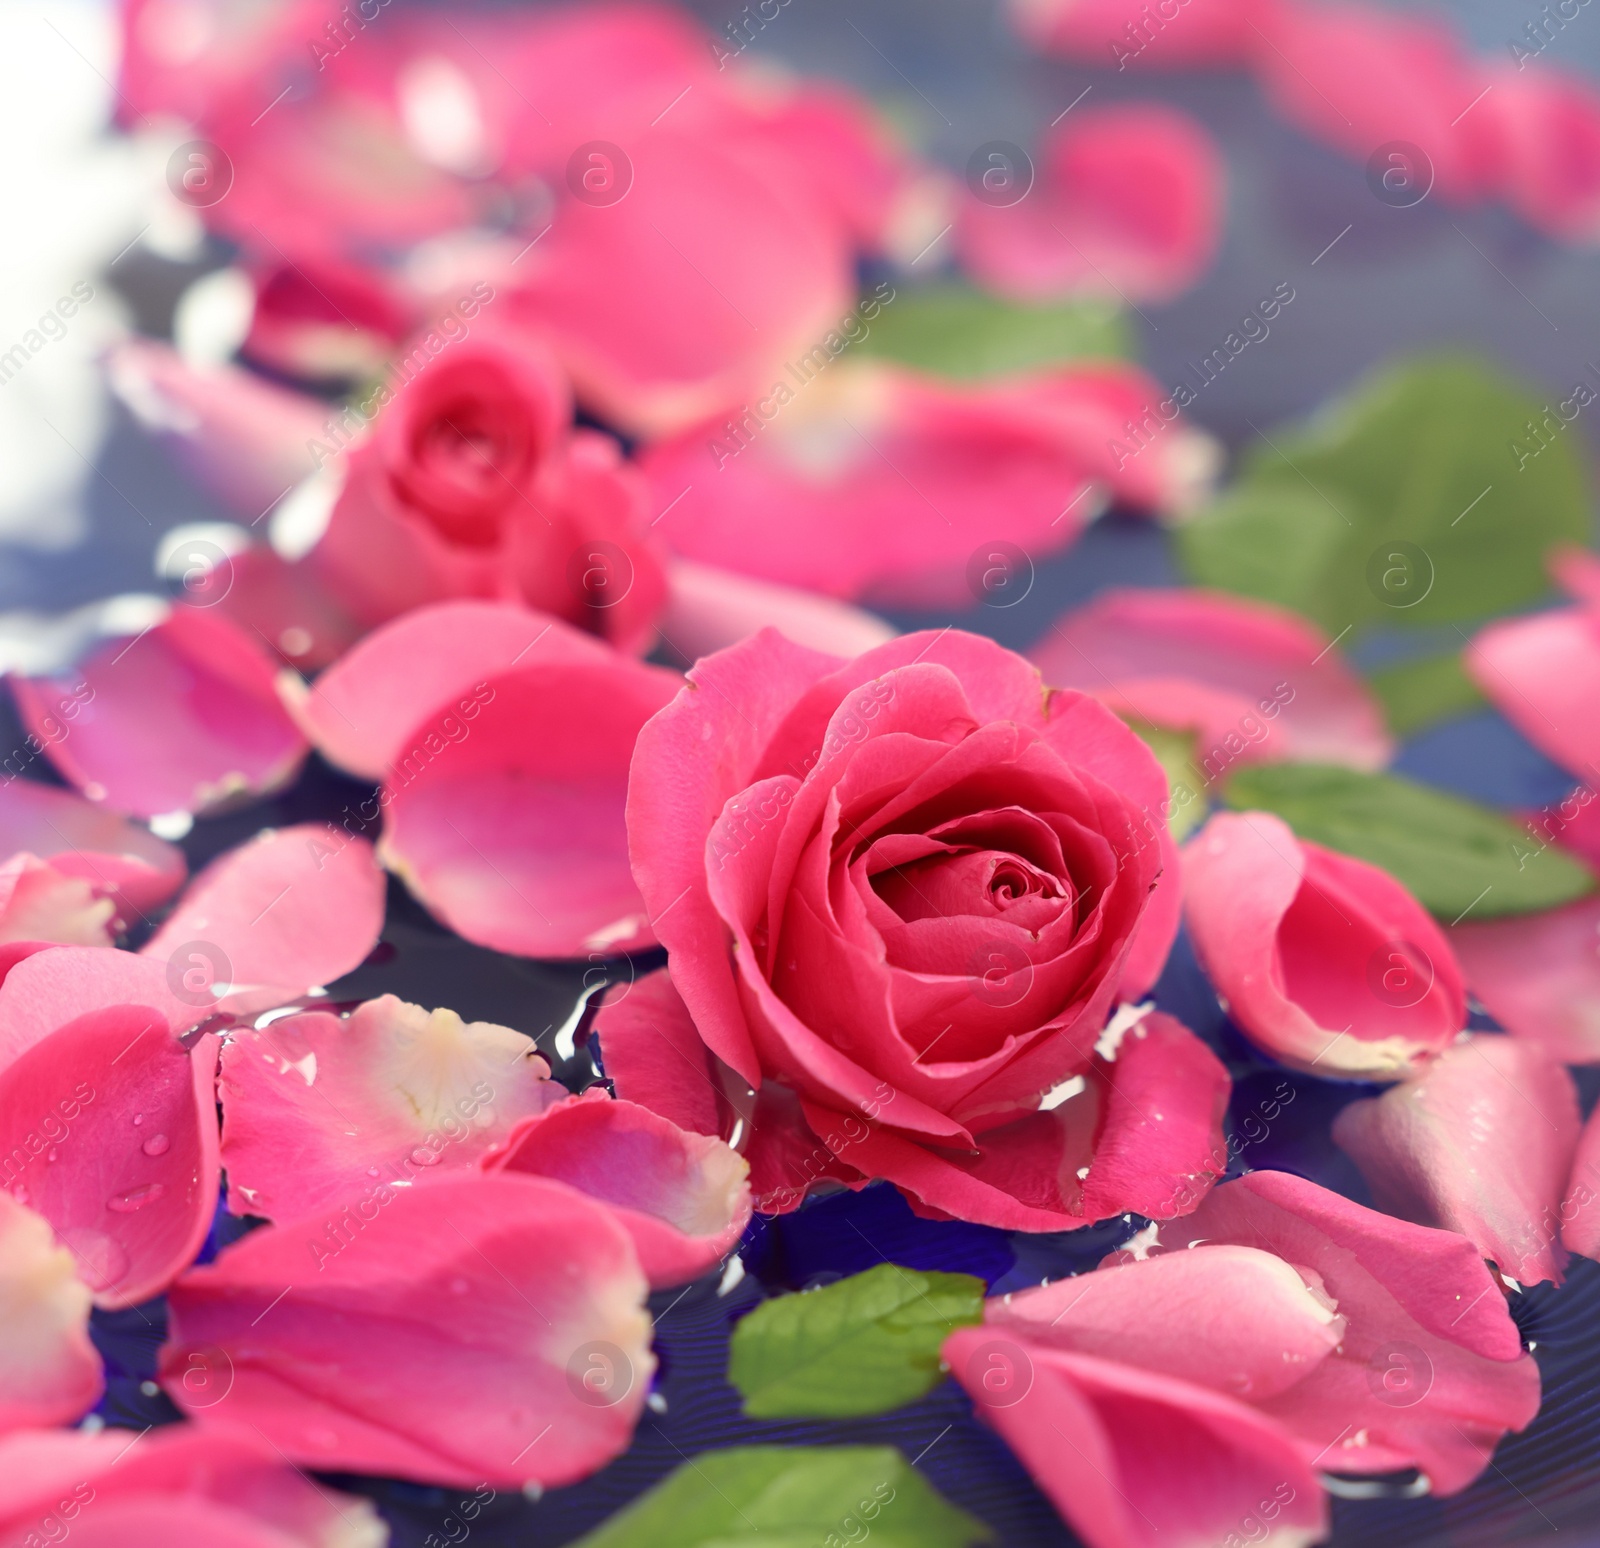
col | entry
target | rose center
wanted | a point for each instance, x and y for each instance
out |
(974, 882)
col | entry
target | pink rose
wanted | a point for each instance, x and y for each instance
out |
(473, 483)
(900, 896)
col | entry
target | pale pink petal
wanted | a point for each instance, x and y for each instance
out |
(1538, 975)
(1126, 203)
(1252, 680)
(322, 320)
(199, 1481)
(1479, 1141)
(683, 1197)
(1135, 1459)
(183, 717)
(39, 903)
(710, 609)
(316, 1109)
(359, 712)
(108, 1129)
(514, 833)
(1544, 125)
(477, 1328)
(1577, 572)
(49, 1371)
(46, 987)
(1430, 1371)
(1543, 674)
(653, 1055)
(1580, 1206)
(856, 478)
(240, 437)
(123, 860)
(1326, 962)
(292, 910)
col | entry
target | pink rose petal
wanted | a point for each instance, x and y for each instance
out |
(477, 1328)
(122, 859)
(39, 903)
(1538, 975)
(49, 1371)
(1118, 32)
(1479, 1141)
(315, 1107)
(109, 1130)
(359, 712)
(1430, 1372)
(1580, 1206)
(683, 1197)
(197, 1486)
(513, 834)
(181, 718)
(1126, 203)
(1221, 667)
(1326, 962)
(1134, 1459)
(294, 909)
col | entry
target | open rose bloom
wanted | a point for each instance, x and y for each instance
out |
(716, 876)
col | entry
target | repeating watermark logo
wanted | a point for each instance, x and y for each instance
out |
(999, 1374)
(1000, 174)
(199, 173)
(1000, 573)
(599, 174)
(1400, 174)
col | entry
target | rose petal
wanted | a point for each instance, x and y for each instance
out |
(109, 1131)
(181, 718)
(1104, 32)
(1132, 1459)
(877, 481)
(410, 1088)
(653, 1055)
(474, 1328)
(124, 861)
(1543, 674)
(1479, 1141)
(234, 1484)
(514, 835)
(240, 437)
(711, 609)
(49, 1371)
(38, 903)
(1126, 203)
(360, 711)
(1178, 1315)
(684, 1198)
(1284, 692)
(1580, 1207)
(294, 909)
(1326, 962)
(1430, 1373)
(1544, 125)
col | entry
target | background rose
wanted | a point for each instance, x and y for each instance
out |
(474, 483)
(906, 890)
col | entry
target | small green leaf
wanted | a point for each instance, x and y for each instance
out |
(1422, 497)
(958, 332)
(791, 1497)
(1175, 753)
(1422, 693)
(1453, 854)
(864, 1345)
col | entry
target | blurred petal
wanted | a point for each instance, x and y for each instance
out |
(180, 718)
(406, 1089)
(1479, 1141)
(1107, 32)
(49, 1371)
(474, 1328)
(1222, 667)
(39, 903)
(1544, 125)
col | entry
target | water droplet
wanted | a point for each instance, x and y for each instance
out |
(138, 1118)
(20, 1194)
(533, 1489)
(422, 1156)
(51, 1154)
(372, 1171)
(135, 1198)
(156, 1145)
(459, 1287)
(149, 1388)
(101, 1262)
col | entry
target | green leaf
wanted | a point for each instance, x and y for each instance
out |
(1175, 753)
(1453, 854)
(791, 1497)
(863, 1345)
(1414, 500)
(1421, 693)
(954, 331)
